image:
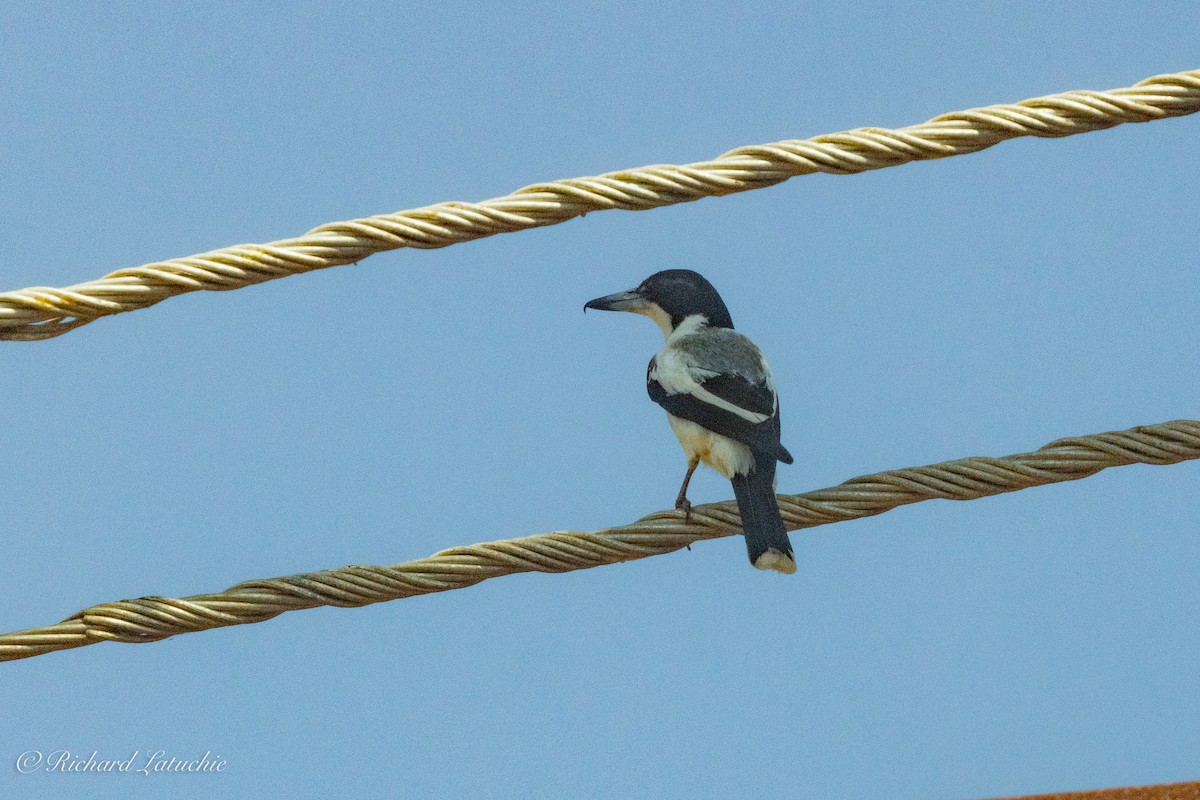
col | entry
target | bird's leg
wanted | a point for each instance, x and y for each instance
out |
(682, 502)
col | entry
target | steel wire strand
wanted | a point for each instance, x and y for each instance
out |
(42, 312)
(149, 619)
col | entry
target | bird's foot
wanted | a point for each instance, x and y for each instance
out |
(684, 505)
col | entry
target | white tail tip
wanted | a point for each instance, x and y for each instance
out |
(774, 559)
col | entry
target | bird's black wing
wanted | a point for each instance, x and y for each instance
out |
(758, 398)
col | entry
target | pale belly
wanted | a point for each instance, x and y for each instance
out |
(720, 452)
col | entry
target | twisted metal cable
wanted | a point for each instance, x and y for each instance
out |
(150, 619)
(41, 313)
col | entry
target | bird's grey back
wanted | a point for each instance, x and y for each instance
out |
(724, 351)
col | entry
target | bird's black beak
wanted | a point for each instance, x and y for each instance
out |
(621, 301)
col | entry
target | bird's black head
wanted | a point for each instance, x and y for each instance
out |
(669, 297)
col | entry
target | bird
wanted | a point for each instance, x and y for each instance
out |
(720, 399)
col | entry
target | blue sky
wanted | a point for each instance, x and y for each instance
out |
(981, 305)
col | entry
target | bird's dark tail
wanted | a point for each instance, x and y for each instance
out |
(766, 539)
